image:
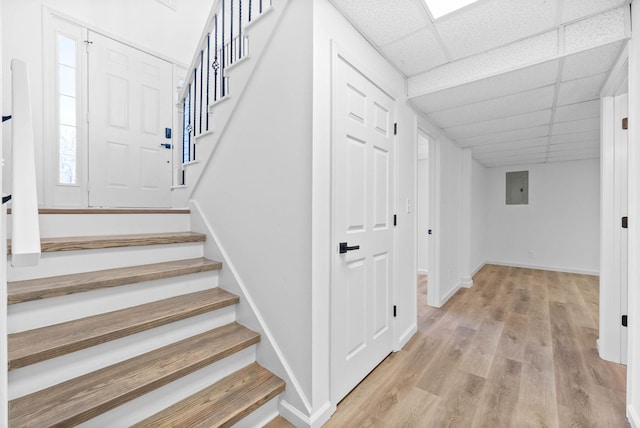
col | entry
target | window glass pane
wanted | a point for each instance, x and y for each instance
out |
(67, 110)
(66, 51)
(67, 140)
(67, 169)
(67, 80)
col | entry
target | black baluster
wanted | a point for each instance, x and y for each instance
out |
(260, 9)
(231, 38)
(201, 88)
(216, 64)
(195, 100)
(222, 65)
(239, 29)
(208, 77)
(250, 10)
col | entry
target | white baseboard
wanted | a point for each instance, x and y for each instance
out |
(450, 294)
(477, 269)
(466, 282)
(632, 415)
(294, 416)
(406, 336)
(423, 272)
(540, 267)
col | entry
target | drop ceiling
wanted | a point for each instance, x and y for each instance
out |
(517, 81)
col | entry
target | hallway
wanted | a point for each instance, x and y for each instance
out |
(517, 349)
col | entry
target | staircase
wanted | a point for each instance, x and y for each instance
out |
(119, 328)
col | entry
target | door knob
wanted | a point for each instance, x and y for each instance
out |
(344, 247)
(166, 145)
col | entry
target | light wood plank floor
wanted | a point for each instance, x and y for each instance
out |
(516, 350)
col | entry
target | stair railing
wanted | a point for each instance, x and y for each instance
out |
(25, 228)
(222, 44)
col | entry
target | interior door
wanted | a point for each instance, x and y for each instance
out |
(363, 189)
(129, 109)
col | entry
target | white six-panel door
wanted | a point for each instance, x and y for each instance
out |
(130, 95)
(363, 189)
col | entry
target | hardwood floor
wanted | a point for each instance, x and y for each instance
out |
(516, 350)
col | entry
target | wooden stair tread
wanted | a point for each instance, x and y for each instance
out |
(42, 288)
(223, 403)
(44, 343)
(80, 399)
(74, 243)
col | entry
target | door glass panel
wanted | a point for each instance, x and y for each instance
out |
(67, 83)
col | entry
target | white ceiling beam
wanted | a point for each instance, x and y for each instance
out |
(562, 41)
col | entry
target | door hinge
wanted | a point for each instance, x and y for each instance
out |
(395, 219)
(87, 43)
(625, 222)
(625, 123)
(624, 320)
(395, 129)
(395, 311)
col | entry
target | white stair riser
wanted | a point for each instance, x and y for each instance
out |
(42, 313)
(41, 375)
(56, 225)
(155, 401)
(68, 262)
(260, 416)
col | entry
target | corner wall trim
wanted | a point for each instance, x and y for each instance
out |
(632, 415)
(293, 415)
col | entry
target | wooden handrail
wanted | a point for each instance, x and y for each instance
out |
(25, 228)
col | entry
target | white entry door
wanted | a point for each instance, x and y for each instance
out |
(363, 189)
(130, 95)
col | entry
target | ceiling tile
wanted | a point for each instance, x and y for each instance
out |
(510, 145)
(384, 21)
(575, 9)
(598, 30)
(510, 57)
(416, 53)
(576, 126)
(493, 23)
(590, 62)
(510, 123)
(585, 89)
(503, 137)
(524, 160)
(575, 137)
(583, 145)
(497, 86)
(511, 153)
(577, 111)
(510, 105)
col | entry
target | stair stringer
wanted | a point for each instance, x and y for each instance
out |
(259, 34)
(269, 353)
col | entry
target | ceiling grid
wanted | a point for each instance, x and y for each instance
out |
(517, 82)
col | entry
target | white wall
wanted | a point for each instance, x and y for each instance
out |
(255, 191)
(633, 367)
(3, 274)
(558, 229)
(449, 219)
(423, 215)
(479, 215)
(147, 24)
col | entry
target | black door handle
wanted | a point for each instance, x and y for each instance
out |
(344, 247)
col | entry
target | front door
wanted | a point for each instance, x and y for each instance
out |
(363, 189)
(130, 98)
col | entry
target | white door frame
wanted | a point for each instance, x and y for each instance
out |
(339, 54)
(611, 288)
